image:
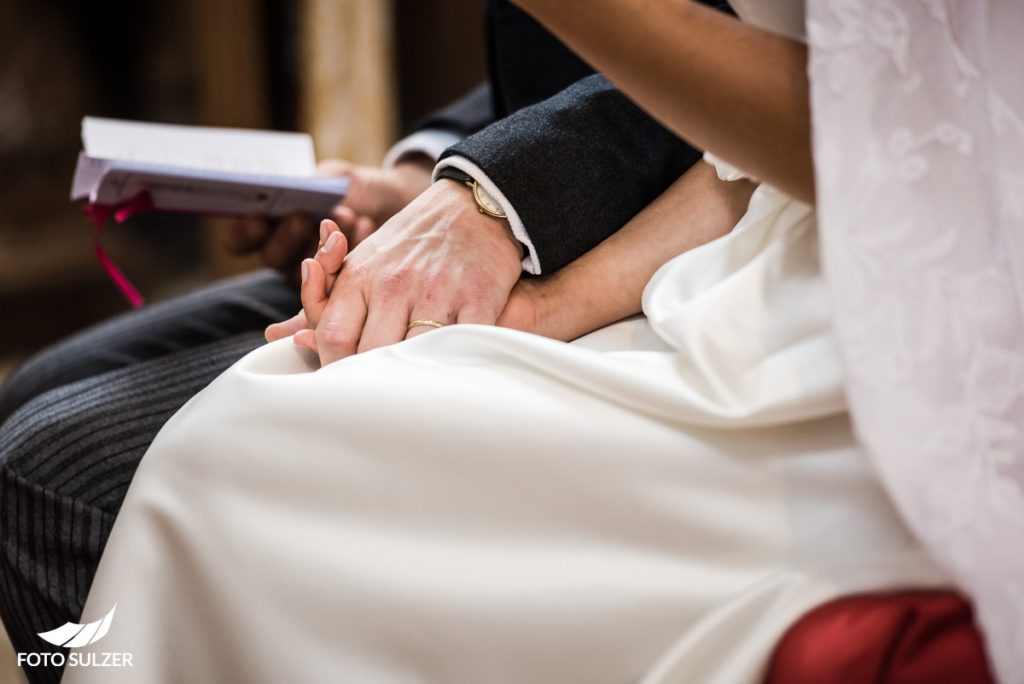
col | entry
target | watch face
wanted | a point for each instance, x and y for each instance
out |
(488, 203)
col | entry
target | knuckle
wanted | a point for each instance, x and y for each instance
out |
(481, 311)
(437, 283)
(479, 298)
(479, 283)
(394, 282)
(353, 272)
(333, 335)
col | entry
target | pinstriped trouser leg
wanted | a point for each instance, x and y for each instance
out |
(244, 304)
(76, 419)
(66, 460)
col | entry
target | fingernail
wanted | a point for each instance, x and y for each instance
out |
(331, 243)
(324, 228)
(305, 269)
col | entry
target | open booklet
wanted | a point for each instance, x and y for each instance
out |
(201, 170)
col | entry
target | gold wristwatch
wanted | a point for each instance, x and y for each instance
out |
(485, 203)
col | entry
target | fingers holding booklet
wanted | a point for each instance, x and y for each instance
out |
(268, 179)
(374, 195)
(202, 170)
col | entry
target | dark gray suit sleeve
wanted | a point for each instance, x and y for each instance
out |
(577, 166)
(465, 116)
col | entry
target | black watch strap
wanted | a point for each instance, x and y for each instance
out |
(452, 173)
(484, 202)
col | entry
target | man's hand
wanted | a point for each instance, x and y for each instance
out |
(374, 196)
(438, 259)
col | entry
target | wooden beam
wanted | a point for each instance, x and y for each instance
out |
(231, 72)
(348, 78)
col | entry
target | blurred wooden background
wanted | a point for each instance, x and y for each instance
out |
(354, 73)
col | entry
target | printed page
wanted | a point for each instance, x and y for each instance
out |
(230, 150)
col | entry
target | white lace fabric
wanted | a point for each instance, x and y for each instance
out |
(919, 148)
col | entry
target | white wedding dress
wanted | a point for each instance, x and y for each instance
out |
(660, 499)
(657, 501)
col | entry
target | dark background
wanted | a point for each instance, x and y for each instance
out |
(61, 60)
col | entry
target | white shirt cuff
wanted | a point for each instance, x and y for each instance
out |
(430, 142)
(531, 263)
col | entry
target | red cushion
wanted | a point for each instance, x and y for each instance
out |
(905, 638)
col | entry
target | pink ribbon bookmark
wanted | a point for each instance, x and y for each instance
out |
(99, 214)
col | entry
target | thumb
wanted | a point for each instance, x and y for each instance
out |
(358, 192)
(278, 331)
(369, 191)
(334, 167)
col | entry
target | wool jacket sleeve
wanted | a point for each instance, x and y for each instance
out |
(577, 166)
(445, 127)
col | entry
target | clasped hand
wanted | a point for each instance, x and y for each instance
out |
(438, 259)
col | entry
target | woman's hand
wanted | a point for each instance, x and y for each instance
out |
(318, 276)
(374, 196)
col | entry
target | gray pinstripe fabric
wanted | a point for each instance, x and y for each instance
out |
(233, 306)
(78, 418)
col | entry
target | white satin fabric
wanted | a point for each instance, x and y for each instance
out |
(658, 501)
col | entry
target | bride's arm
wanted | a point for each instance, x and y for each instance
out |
(605, 284)
(723, 85)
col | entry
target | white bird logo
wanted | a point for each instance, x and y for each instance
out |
(74, 635)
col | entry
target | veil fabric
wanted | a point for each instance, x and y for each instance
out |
(918, 112)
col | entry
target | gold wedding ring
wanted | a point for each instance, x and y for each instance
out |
(424, 322)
